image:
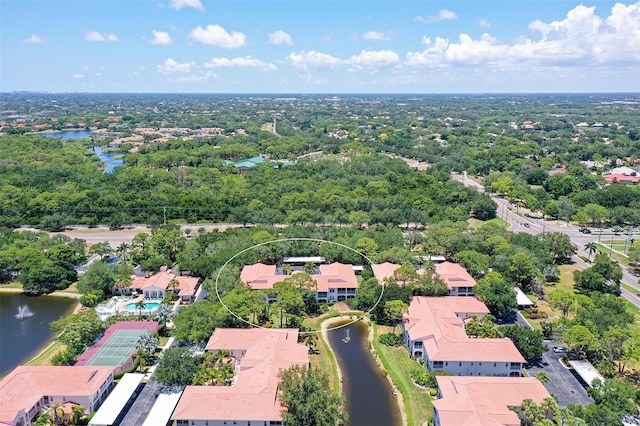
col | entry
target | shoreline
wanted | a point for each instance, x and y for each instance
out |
(370, 335)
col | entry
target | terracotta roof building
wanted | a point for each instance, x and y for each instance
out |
(434, 331)
(483, 401)
(259, 354)
(30, 390)
(156, 285)
(457, 279)
(336, 281)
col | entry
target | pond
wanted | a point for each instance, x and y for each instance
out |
(370, 398)
(24, 325)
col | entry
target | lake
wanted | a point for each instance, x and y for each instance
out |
(67, 134)
(21, 340)
(370, 398)
(111, 160)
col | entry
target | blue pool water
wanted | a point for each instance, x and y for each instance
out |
(148, 306)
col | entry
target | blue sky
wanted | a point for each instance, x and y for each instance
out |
(307, 46)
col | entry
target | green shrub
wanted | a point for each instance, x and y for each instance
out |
(433, 392)
(390, 339)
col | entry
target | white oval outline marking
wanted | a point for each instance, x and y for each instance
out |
(282, 240)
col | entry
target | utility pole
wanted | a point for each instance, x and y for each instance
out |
(165, 215)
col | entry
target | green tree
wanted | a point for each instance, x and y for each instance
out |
(529, 342)
(591, 248)
(521, 271)
(99, 279)
(308, 399)
(579, 338)
(561, 299)
(496, 293)
(102, 249)
(393, 311)
(288, 298)
(560, 246)
(177, 367)
(196, 322)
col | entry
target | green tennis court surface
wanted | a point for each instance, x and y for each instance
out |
(116, 350)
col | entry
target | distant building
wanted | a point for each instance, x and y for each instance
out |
(483, 401)
(336, 281)
(156, 286)
(30, 390)
(259, 355)
(456, 278)
(434, 331)
(618, 178)
(246, 164)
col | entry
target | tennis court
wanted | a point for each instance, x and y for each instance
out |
(116, 350)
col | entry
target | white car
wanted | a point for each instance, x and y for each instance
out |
(560, 349)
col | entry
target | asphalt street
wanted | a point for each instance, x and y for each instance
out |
(519, 223)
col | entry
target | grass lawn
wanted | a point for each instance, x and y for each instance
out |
(44, 357)
(475, 223)
(324, 359)
(12, 285)
(618, 257)
(399, 366)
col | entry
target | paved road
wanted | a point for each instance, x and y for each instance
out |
(562, 382)
(537, 226)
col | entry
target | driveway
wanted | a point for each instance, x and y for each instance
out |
(562, 383)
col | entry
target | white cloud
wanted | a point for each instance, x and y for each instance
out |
(170, 66)
(179, 4)
(98, 74)
(240, 63)
(579, 39)
(215, 35)
(35, 39)
(96, 36)
(443, 15)
(195, 78)
(312, 58)
(160, 38)
(280, 37)
(485, 23)
(78, 76)
(376, 35)
(375, 58)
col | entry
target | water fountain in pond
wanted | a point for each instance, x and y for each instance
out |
(347, 338)
(23, 312)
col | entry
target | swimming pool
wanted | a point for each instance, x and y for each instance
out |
(148, 306)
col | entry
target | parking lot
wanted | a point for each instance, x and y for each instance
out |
(562, 382)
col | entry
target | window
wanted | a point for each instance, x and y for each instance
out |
(417, 344)
(182, 422)
(459, 364)
(495, 364)
(437, 364)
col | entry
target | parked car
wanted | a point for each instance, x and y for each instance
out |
(560, 349)
(526, 225)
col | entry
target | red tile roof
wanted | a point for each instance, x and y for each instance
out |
(435, 322)
(254, 396)
(335, 275)
(484, 401)
(25, 385)
(454, 275)
(162, 279)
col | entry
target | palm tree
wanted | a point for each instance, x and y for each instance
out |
(591, 248)
(58, 413)
(140, 305)
(310, 268)
(76, 415)
(286, 269)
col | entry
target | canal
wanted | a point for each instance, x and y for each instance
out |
(369, 396)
